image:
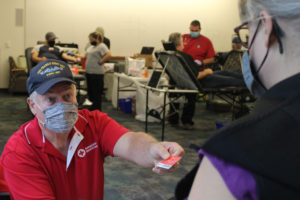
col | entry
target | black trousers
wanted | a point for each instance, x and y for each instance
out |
(187, 113)
(95, 89)
(222, 79)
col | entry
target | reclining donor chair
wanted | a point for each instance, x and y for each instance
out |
(181, 74)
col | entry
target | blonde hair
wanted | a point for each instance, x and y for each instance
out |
(100, 30)
(97, 36)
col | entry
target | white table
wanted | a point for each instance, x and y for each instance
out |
(127, 86)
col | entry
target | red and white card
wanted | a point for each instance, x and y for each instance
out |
(169, 162)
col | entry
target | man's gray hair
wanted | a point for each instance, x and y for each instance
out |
(33, 96)
(175, 38)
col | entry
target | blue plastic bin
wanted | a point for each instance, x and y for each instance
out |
(125, 105)
(220, 124)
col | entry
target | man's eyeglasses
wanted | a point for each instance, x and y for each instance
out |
(242, 32)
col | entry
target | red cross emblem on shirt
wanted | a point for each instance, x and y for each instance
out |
(81, 153)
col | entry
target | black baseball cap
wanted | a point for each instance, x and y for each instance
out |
(46, 74)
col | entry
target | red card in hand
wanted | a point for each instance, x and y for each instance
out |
(169, 162)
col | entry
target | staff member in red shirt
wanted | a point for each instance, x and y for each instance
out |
(60, 153)
(198, 46)
(3, 185)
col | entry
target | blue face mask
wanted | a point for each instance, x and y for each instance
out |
(61, 117)
(250, 75)
(194, 34)
(252, 82)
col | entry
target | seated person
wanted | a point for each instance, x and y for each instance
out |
(233, 60)
(50, 51)
(207, 78)
(236, 44)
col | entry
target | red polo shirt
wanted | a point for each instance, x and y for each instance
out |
(199, 48)
(3, 185)
(35, 169)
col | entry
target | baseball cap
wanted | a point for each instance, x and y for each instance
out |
(46, 74)
(50, 36)
(236, 40)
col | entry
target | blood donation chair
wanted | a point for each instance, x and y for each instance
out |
(181, 74)
(70, 49)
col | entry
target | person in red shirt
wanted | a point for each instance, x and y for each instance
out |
(3, 185)
(198, 46)
(60, 153)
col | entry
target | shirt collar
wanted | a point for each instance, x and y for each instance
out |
(34, 134)
(282, 91)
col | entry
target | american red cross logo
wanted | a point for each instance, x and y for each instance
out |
(81, 153)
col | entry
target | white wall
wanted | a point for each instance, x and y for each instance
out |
(130, 24)
(11, 37)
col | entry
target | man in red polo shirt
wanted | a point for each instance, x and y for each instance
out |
(60, 153)
(198, 46)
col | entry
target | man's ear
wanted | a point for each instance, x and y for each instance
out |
(267, 23)
(31, 106)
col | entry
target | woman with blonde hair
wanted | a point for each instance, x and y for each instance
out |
(95, 57)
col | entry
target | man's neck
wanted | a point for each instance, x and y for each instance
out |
(60, 141)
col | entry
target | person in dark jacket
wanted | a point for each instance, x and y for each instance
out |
(207, 77)
(257, 157)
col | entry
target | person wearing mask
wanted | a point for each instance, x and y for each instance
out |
(60, 153)
(106, 41)
(207, 77)
(198, 46)
(232, 60)
(236, 44)
(50, 51)
(257, 157)
(95, 56)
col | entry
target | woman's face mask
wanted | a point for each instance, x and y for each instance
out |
(94, 43)
(250, 73)
(250, 78)
(60, 117)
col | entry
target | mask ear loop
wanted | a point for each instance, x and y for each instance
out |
(278, 32)
(43, 123)
(254, 36)
(255, 74)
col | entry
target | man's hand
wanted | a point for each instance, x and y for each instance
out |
(146, 151)
(204, 73)
(208, 71)
(161, 151)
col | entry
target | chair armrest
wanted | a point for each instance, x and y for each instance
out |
(18, 69)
